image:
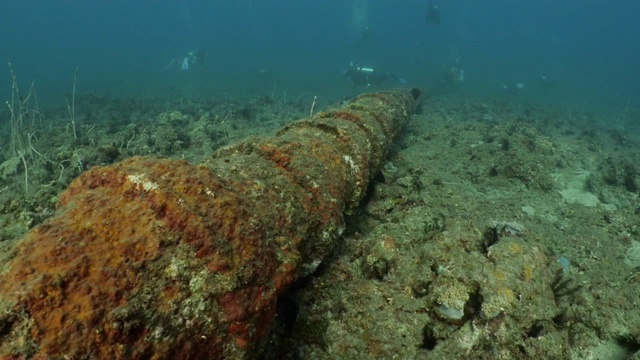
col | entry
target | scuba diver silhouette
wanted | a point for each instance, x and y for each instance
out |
(366, 76)
(192, 58)
(364, 39)
(433, 14)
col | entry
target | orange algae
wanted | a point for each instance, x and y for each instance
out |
(160, 259)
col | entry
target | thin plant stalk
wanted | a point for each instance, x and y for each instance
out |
(72, 107)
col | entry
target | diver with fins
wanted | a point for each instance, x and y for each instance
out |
(365, 39)
(366, 76)
(433, 14)
(192, 58)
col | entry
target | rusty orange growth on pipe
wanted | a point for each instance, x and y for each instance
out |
(160, 259)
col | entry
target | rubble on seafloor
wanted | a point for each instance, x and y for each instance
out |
(468, 248)
(484, 237)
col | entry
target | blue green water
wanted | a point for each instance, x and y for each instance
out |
(588, 51)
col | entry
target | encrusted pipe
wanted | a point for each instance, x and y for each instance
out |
(161, 259)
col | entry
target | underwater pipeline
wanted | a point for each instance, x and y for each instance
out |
(162, 259)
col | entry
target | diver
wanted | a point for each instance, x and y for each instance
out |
(365, 39)
(192, 58)
(546, 82)
(454, 73)
(433, 14)
(512, 88)
(265, 73)
(366, 76)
